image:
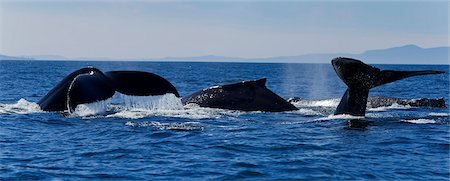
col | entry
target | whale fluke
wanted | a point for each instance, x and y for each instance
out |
(56, 98)
(388, 76)
(360, 78)
(139, 83)
(250, 95)
(88, 88)
(89, 85)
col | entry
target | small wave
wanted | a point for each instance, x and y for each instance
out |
(180, 126)
(439, 114)
(420, 121)
(340, 116)
(21, 107)
(393, 106)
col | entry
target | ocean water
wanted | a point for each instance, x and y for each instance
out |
(157, 138)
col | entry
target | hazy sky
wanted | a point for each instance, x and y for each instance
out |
(250, 29)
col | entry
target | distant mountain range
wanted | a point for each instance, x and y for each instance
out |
(408, 54)
(5, 57)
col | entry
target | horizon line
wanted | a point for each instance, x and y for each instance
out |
(208, 61)
(172, 58)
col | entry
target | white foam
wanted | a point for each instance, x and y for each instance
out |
(136, 107)
(190, 112)
(317, 103)
(381, 115)
(305, 111)
(420, 121)
(95, 108)
(340, 116)
(393, 106)
(181, 126)
(439, 114)
(131, 106)
(20, 107)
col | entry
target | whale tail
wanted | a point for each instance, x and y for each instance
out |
(89, 85)
(56, 98)
(360, 78)
(139, 83)
(88, 88)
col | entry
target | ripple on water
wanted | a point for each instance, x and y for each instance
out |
(178, 126)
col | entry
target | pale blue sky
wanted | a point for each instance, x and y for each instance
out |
(249, 29)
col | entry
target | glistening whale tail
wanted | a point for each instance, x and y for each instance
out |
(360, 78)
(89, 85)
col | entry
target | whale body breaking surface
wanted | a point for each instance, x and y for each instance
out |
(88, 85)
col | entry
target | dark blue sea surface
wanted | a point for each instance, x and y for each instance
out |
(192, 143)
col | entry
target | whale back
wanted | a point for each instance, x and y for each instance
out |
(245, 96)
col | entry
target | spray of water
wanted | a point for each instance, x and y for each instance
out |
(319, 87)
(123, 102)
(20, 107)
(162, 102)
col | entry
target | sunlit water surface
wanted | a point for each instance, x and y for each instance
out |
(157, 138)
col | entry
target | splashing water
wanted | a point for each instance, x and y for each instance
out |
(137, 107)
(21, 107)
(317, 103)
(340, 116)
(95, 108)
(161, 102)
(123, 103)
